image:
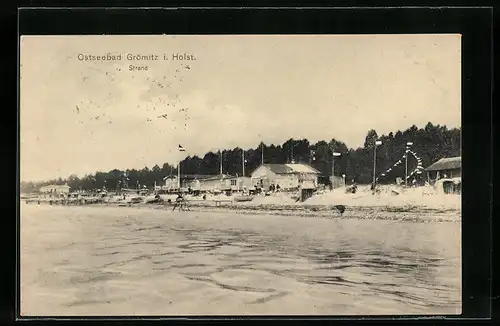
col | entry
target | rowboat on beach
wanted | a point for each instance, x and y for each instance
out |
(243, 198)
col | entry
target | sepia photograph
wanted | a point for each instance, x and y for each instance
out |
(205, 175)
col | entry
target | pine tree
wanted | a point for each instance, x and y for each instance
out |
(432, 143)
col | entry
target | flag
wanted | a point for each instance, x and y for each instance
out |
(181, 149)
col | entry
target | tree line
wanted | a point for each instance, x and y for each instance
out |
(431, 143)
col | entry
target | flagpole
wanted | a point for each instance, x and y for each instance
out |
(408, 144)
(374, 164)
(262, 152)
(181, 149)
(377, 143)
(406, 165)
(179, 175)
(243, 161)
(221, 162)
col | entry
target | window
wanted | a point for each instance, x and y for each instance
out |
(233, 182)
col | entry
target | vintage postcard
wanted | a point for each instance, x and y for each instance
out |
(240, 175)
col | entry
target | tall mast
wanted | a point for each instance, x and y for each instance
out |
(262, 152)
(221, 162)
(243, 161)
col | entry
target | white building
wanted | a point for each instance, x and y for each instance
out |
(448, 167)
(287, 176)
(171, 183)
(221, 182)
(55, 189)
(239, 183)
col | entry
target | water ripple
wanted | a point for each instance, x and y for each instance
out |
(326, 262)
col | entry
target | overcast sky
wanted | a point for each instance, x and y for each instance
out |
(85, 116)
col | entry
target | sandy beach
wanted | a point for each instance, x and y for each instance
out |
(414, 204)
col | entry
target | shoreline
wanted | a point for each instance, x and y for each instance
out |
(410, 213)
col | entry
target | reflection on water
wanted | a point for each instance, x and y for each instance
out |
(126, 261)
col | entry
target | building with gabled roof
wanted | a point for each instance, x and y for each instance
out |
(289, 168)
(286, 176)
(59, 189)
(448, 167)
(221, 182)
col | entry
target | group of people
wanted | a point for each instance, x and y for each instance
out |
(180, 202)
(351, 189)
(259, 188)
(274, 188)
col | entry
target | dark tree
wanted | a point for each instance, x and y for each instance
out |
(431, 143)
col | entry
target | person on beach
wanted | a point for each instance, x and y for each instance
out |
(180, 202)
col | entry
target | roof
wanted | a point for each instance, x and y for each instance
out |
(448, 163)
(190, 176)
(303, 168)
(238, 177)
(218, 177)
(291, 168)
(56, 186)
(198, 176)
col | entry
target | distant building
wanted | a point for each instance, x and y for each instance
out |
(210, 183)
(171, 183)
(287, 176)
(446, 175)
(55, 189)
(449, 167)
(193, 180)
(237, 183)
(204, 183)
